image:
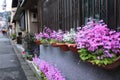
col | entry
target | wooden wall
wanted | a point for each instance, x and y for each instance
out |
(66, 14)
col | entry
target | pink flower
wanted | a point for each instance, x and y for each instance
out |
(51, 72)
(94, 36)
(23, 52)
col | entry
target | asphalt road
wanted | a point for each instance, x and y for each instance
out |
(10, 68)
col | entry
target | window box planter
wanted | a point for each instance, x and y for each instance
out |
(54, 45)
(62, 46)
(108, 63)
(114, 65)
(111, 66)
(72, 47)
(45, 44)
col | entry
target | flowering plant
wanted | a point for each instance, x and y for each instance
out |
(53, 36)
(51, 73)
(98, 44)
(44, 36)
(59, 36)
(69, 36)
(42, 76)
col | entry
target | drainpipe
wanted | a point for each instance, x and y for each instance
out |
(28, 19)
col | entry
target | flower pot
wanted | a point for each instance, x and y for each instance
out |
(111, 66)
(38, 42)
(114, 65)
(72, 47)
(45, 44)
(54, 44)
(63, 46)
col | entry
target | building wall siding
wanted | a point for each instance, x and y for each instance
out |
(66, 14)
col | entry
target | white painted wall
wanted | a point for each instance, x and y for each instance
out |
(33, 25)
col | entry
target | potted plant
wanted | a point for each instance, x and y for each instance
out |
(30, 44)
(69, 39)
(29, 57)
(13, 36)
(60, 43)
(53, 39)
(99, 45)
(53, 42)
(37, 37)
(44, 37)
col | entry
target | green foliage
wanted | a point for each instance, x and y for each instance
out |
(85, 55)
(29, 57)
(42, 76)
(52, 41)
(13, 36)
(71, 42)
(44, 41)
(29, 38)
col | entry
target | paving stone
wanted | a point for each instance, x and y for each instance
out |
(32, 78)
(28, 72)
(26, 67)
(10, 68)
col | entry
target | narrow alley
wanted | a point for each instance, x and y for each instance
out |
(10, 68)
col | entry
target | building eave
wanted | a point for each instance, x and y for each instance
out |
(26, 4)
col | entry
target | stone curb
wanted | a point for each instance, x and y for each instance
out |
(34, 69)
(27, 67)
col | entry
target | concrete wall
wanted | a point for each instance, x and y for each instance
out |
(72, 68)
(30, 26)
(13, 30)
(33, 25)
(17, 28)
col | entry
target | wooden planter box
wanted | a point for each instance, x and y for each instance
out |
(54, 45)
(114, 65)
(45, 44)
(62, 46)
(72, 47)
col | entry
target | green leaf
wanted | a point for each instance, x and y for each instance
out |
(85, 55)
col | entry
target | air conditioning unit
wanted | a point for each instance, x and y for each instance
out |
(34, 17)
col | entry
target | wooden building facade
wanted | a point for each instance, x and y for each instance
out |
(66, 14)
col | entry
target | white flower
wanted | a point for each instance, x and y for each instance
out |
(69, 36)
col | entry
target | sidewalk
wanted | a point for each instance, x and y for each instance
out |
(27, 67)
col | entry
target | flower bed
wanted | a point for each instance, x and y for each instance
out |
(48, 71)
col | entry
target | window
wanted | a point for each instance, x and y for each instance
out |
(22, 21)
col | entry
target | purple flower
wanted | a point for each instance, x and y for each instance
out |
(59, 36)
(51, 73)
(53, 35)
(96, 35)
(46, 36)
(108, 54)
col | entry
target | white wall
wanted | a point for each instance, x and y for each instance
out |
(33, 25)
